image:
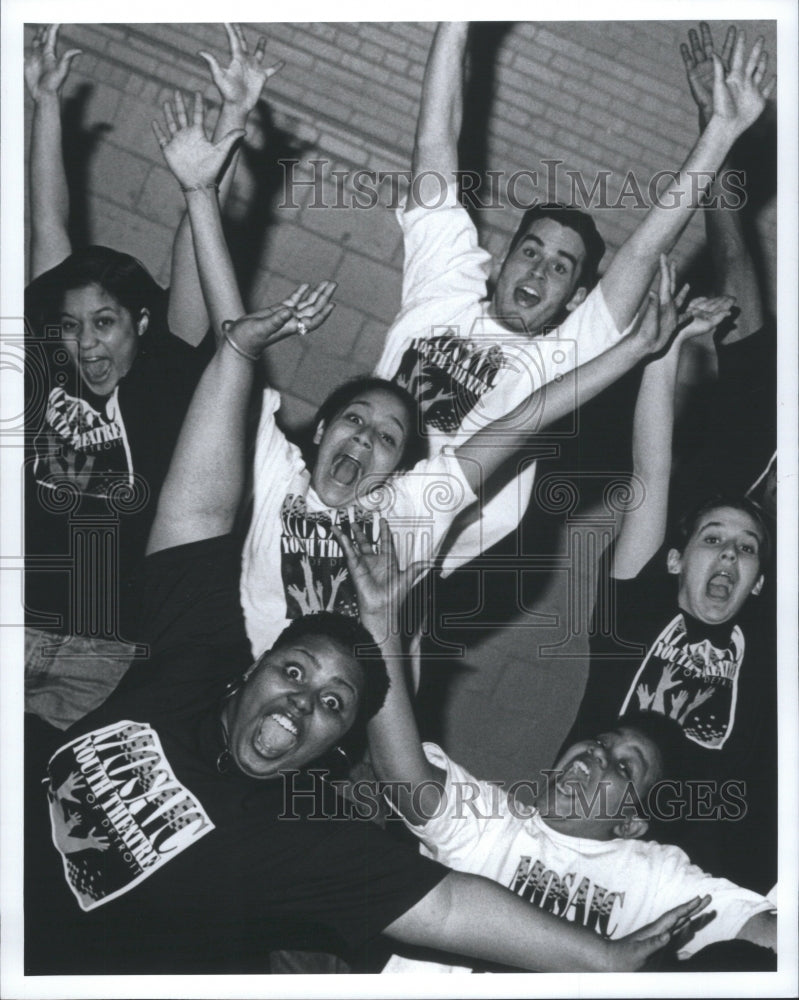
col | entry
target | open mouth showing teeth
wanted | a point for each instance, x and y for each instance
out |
(345, 470)
(278, 734)
(575, 772)
(526, 296)
(720, 585)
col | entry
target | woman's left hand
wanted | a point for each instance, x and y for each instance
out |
(195, 161)
(304, 310)
(240, 82)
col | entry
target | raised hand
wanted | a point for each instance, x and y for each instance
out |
(630, 953)
(195, 161)
(240, 82)
(698, 60)
(304, 310)
(381, 586)
(45, 71)
(740, 94)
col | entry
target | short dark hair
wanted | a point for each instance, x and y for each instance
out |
(356, 639)
(121, 275)
(572, 218)
(415, 448)
(687, 524)
(668, 737)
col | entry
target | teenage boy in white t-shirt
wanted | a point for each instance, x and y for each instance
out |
(578, 853)
(470, 358)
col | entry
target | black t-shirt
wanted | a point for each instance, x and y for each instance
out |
(93, 471)
(163, 864)
(719, 683)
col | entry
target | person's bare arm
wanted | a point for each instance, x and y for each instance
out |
(45, 73)
(760, 929)
(438, 126)
(643, 526)
(476, 917)
(240, 84)
(739, 97)
(731, 254)
(395, 746)
(202, 490)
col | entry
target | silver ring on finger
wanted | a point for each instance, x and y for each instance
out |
(302, 327)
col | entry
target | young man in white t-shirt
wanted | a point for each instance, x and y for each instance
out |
(578, 853)
(470, 358)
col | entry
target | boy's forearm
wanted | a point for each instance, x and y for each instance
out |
(441, 110)
(636, 262)
(478, 918)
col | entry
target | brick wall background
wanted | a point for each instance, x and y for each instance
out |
(596, 95)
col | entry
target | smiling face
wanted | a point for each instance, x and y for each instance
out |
(295, 705)
(365, 438)
(540, 278)
(615, 760)
(720, 565)
(100, 335)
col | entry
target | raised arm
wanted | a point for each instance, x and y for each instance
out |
(739, 97)
(203, 488)
(494, 444)
(730, 252)
(643, 527)
(438, 127)
(394, 742)
(45, 73)
(240, 84)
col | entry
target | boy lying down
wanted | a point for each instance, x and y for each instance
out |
(579, 852)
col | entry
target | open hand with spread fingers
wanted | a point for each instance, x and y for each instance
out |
(195, 161)
(241, 81)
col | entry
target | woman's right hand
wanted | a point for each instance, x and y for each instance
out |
(45, 72)
(630, 953)
(195, 161)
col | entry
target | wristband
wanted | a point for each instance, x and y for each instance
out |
(200, 187)
(236, 348)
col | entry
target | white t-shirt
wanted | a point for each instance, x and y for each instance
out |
(291, 563)
(466, 369)
(611, 886)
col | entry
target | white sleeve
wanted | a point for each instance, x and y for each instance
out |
(276, 463)
(421, 504)
(465, 811)
(731, 905)
(444, 275)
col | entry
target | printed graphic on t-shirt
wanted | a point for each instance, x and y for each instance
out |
(314, 569)
(448, 374)
(117, 811)
(694, 683)
(80, 445)
(579, 900)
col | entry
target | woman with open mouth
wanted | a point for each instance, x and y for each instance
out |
(110, 368)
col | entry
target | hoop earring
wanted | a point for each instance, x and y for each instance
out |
(344, 756)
